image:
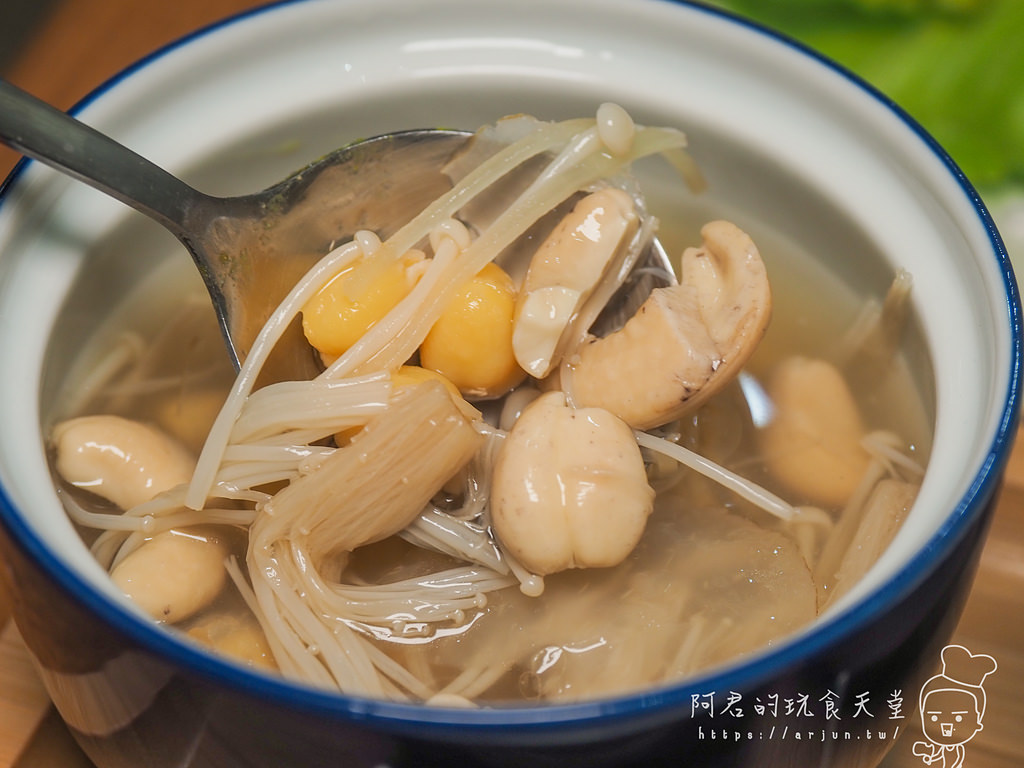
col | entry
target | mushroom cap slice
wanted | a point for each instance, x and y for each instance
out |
(569, 488)
(563, 273)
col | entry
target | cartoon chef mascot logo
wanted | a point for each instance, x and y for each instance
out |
(952, 706)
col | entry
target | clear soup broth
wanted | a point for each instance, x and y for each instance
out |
(714, 576)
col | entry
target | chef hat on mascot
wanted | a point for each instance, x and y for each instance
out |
(964, 671)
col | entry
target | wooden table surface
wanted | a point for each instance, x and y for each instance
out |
(83, 42)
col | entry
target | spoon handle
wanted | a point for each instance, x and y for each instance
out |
(40, 131)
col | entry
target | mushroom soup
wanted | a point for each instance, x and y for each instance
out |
(537, 464)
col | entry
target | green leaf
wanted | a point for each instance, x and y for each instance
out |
(957, 66)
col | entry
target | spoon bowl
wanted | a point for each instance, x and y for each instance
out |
(249, 249)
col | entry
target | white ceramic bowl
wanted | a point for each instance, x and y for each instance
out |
(790, 144)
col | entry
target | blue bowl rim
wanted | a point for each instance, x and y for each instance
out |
(741, 675)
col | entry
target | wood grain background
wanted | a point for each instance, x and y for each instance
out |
(75, 47)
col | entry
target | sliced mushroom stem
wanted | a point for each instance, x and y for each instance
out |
(686, 341)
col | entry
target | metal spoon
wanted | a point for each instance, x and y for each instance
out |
(251, 249)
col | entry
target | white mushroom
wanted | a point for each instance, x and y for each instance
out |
(569, 488)
(686, 341)
(563, 273)
(237, 635)
(187, 417)
(124, 461)
(173, 575)
(813, 443)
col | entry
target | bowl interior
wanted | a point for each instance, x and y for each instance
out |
(824, 175)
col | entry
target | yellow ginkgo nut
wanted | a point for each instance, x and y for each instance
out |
(470, 344)
(336, 317)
